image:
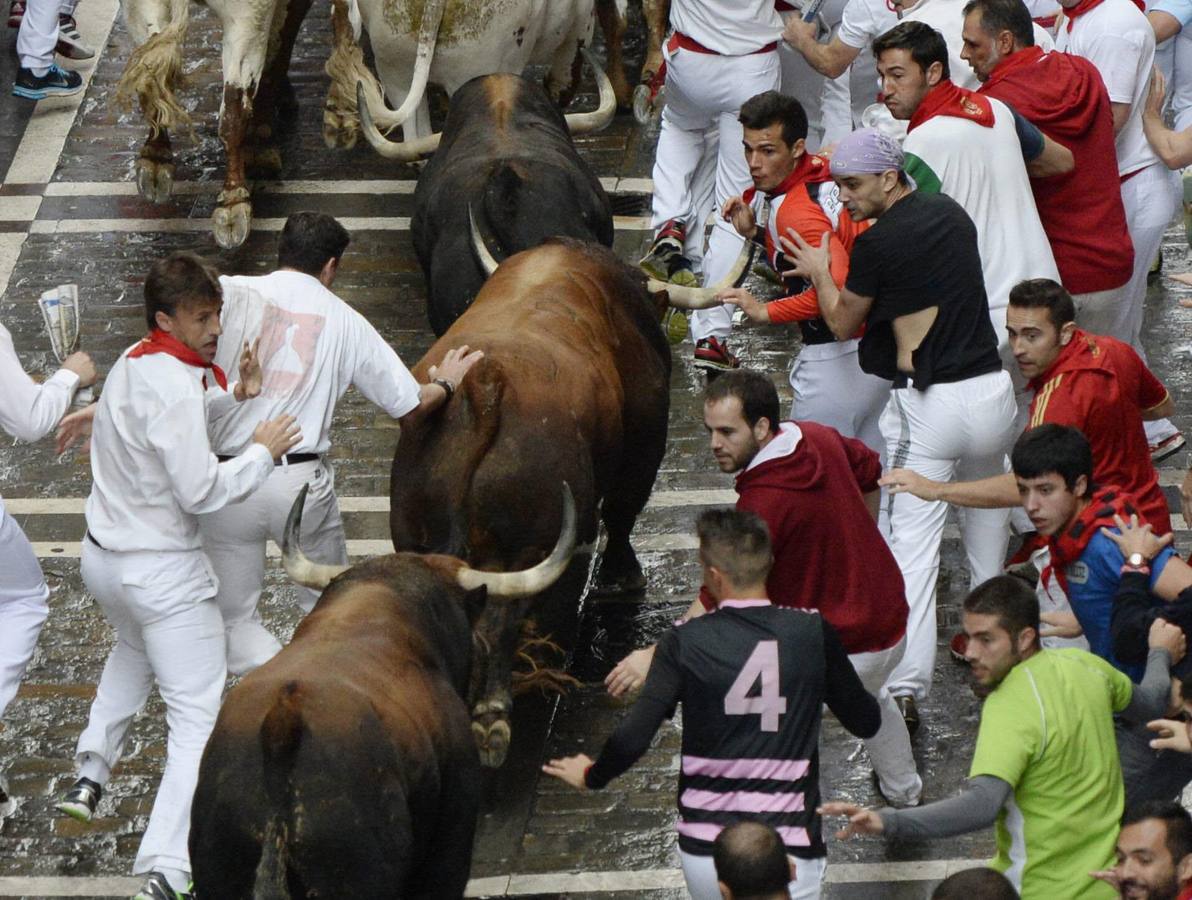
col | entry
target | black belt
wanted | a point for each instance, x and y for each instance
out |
(289, 459)
(92, 539)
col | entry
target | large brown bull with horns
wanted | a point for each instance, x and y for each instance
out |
(346, 765)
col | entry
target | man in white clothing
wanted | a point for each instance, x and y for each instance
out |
(47, 27)
(720, 53)
(313, 346)
(28, 412)
(153, 473)
(1117, 38)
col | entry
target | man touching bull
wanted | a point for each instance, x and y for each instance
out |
(153, 474)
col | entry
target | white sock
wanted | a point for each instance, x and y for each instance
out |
(178, 879)
(95, 768)
(41, 71)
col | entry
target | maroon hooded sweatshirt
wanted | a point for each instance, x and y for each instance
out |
(828, 552)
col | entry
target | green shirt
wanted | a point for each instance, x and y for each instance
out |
(1047, 730)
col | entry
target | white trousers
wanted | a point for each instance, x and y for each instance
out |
(705, 91)
(1151, 199)
(23, 595)
(702, 883)
(234, 540)
(960, 430)
(889, 749)
(163, 634)
(38, 35)
(1098, 312)
(831, 389)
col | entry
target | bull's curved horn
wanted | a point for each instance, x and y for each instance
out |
(300, 569)
(535, 579)
(402, 151)
(583, 123)
(428, 36)
(705, 297)
(484, 256)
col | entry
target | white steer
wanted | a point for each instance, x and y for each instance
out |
(258, 38)
(448, 42)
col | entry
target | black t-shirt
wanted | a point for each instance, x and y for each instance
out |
(753, 682)
(922, 252)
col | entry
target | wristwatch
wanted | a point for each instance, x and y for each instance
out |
(1136, 562)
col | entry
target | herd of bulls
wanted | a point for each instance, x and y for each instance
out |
(350, 764)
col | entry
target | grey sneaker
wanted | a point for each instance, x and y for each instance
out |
(81, 800)
(157, 888)
(70, 42)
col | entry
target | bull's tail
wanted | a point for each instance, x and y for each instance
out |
(153, 72)
(346, 68)
(281, 737)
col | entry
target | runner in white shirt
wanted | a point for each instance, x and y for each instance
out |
(153, 474)
(721, 53)
(313, 346)
(28, 412)
(1116, 37)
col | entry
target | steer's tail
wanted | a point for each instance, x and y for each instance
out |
(281, 736)
(154, 68)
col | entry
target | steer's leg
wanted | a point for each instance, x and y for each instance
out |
(155, 168)
(275, 96)
(613, 26)
(562, 80)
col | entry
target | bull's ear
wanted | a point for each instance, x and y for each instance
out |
(474, 602)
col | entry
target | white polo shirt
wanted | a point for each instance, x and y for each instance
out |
(730, 27)
(313, 347)
(1117, 38)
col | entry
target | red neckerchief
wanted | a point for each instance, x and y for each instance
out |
(158, 341)
(810, 169)
(946, 99)
(1024, 57)
(1085, 5)
(1185, 894)
(1067, 546)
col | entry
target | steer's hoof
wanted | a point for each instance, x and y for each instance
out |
(155, 179)
(610, 584)
(492, 742)
(339, 131)
(231, 224)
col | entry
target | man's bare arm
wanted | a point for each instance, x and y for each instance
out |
(829, 59)
(1164, 410)
(997, 492)
(1056, 159)
(843, 310)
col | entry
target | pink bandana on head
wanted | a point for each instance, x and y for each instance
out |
(866, 152)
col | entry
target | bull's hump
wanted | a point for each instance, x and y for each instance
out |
(463, 20)
(502, 93)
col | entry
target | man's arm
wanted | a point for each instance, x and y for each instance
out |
(843, 310)
(844, 693)
(974, 808)
(630, 673)
(1163, 410)
(1164, 24)
(996, 492)
(29, 411)
(829, 59)
(1173, 147)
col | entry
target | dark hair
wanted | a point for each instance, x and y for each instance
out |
(181, 279)
(1043, 293)
(1059, 449)
(751, 860)
(737, 542)
(1010, 599)
(756, 392)
(770, 108)
(309, 239)
(1174, 816)
(975, 884)
(1004, 15)
(925, 44)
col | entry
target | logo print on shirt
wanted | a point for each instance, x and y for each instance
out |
(288, 343)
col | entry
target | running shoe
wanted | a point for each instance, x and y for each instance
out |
(665, 260)
(57, 82)
(714, 356)
(70, 42)
(81, 800)
(16, 12)
(156, 887)
(958, 646)
(1170, 445)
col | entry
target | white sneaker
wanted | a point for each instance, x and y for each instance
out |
(70, 42)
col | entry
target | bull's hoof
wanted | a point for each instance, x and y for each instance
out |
(339, 131)
(492, 742)
(613, 583)
(643, 105)
(155, 179)
(231, 224)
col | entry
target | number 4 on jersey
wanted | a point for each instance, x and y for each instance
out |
(769, 704)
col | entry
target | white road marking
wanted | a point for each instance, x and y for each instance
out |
(524, 885)
(394, 186)
(176, 226)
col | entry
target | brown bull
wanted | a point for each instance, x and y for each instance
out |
(346, 765)
(573, 387)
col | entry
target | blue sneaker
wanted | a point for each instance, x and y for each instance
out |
(57, 82)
